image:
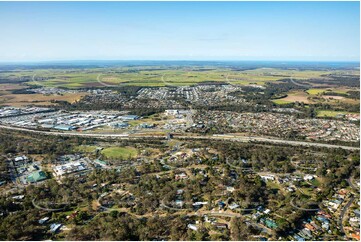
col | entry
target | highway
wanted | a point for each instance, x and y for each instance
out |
(188, 137)
(267, 140)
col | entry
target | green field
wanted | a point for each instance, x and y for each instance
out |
(316, 91)
(328, 113)
(280, 101)
(119, 152)
(154, 76)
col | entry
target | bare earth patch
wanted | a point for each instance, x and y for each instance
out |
(296, 97)
(333, 97)
(8, 87)
(38, 99)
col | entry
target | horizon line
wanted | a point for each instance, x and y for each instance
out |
(172, 60)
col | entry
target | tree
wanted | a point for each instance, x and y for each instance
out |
(239, 229)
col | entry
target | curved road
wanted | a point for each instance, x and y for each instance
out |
(303, 209)
(344, 210)
(46, 209)
(214, 137)
(352, 185)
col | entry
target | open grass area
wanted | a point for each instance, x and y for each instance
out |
(86, 148)
(133, 123)
(328, 113)
(316, 182)
(281, 101)
(316, 91)
(155, 76)
(120, 152)
(273, 185)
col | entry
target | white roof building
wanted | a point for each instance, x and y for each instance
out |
(192, 227)
(68, 168)
(308, 177)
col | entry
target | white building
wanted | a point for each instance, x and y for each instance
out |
(70, 167)
(268, 178)
(171, 112)
(308, 177)
(192, 227)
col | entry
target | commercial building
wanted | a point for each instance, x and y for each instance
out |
(70, 167)
(36, 176)
(64, 127)
(129, 117)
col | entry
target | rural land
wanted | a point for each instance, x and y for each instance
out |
(180, 150)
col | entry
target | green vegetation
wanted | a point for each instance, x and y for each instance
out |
(156, 76)
(281, 102)
(86, 148)
(119, 152)
(138, 190)
(316, 91)
(144, 178)
(329, 113)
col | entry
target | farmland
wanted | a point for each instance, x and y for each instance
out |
(157, 76)
(18, 100)
(318, 95)
(316, 91)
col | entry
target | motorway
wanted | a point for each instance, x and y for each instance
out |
(271, 140)
(229, 137)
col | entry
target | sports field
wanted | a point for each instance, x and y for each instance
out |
(119, 152)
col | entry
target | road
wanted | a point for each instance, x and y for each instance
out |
(355, 188)
(303, 209)
(188, 137)
(298, 84)
(46, 209)
(288, 142)
(344, 210)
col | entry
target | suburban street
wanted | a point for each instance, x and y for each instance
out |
(344, 210)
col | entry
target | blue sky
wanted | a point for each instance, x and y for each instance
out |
(33, 31)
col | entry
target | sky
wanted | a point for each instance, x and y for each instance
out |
(311, 31)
